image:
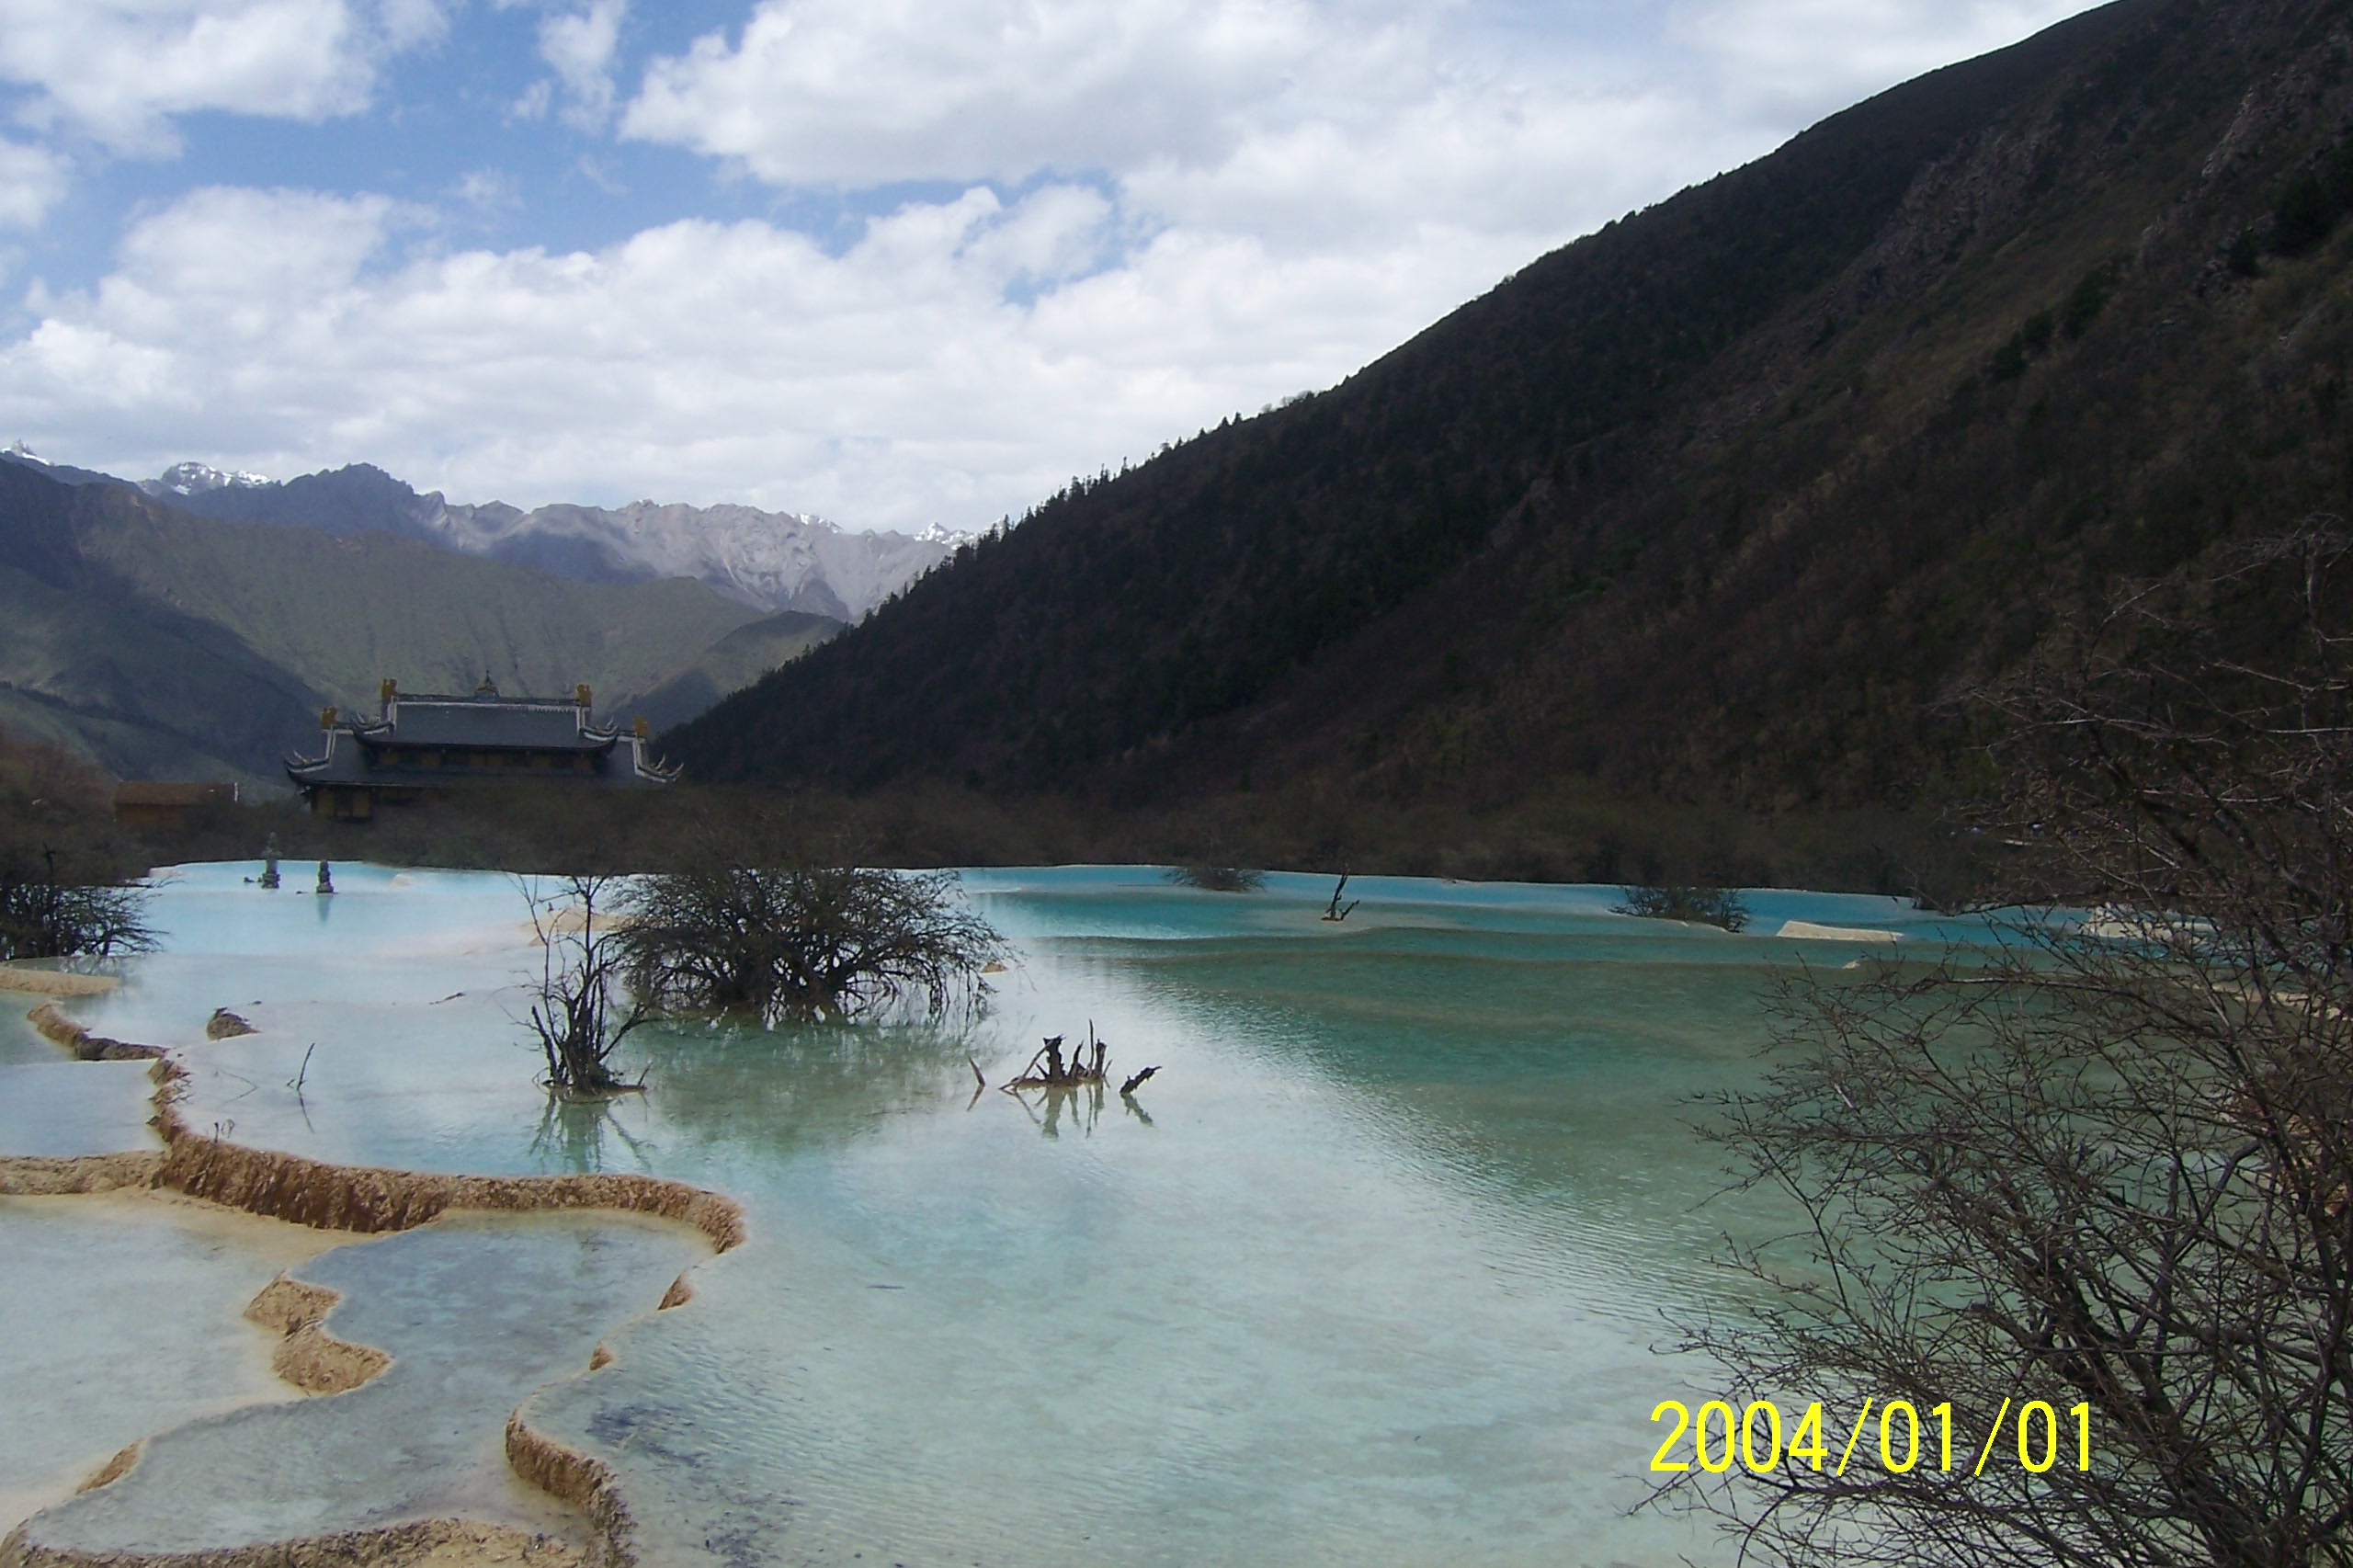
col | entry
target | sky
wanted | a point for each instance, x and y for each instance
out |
(894, 262)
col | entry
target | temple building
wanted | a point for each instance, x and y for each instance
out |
(418, 745)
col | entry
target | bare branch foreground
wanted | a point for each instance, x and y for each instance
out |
(2108, 1163)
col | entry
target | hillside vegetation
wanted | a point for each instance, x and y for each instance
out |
(1718, 504)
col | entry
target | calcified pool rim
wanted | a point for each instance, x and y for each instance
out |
(362, 1202)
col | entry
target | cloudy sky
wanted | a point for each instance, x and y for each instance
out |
(892, 261)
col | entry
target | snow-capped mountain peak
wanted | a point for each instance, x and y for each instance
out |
(203, 479)
(772, 561)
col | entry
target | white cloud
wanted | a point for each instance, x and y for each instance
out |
(1177, 210)
(1535, 166)
(850, 92)
(846, 93)
(1306, 126)
(411, 24)
(894, 383)
(580, 45)
(31, 179)
(1807, 58)
(117, 70)
(533, 101)
(488, 190)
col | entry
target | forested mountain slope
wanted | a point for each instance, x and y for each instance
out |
(1715, 502)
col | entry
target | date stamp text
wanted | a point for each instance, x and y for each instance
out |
(1894, 1434)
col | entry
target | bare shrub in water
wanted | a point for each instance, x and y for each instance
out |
(1702, 905)
(582, 1010)
(42, 917)
(757, 918)
(2109, 1168)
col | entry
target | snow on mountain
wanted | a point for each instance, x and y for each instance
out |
(771, 560)
(200, 479)
(64, 474)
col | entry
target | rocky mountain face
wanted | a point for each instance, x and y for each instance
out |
(769, 561)
(1722, 502)
(772, 561)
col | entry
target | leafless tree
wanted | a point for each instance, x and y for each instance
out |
(64, 869)
(581, 1009)
(2106, 1164)
(1336, 911)
(755, 917)
(44, 917)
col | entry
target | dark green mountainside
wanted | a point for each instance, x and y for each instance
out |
(1714, 504)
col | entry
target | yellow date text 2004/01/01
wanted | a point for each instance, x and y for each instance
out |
(1721, 1436)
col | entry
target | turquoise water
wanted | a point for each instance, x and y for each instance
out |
(1371, 1272)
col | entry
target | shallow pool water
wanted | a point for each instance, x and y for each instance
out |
(90, 1359)
(64, 1107)
(476, 1312)
(1371, 1272)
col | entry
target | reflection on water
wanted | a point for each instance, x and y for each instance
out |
(586, 1135)
(1047, 1106)
(1369, 1273)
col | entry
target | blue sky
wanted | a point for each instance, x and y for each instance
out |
(896, 261)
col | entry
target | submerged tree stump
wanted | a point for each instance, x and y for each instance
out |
(1087, 1064)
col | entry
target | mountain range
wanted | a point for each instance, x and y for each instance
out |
(163, 644)
(1722, 502)
(771, 560)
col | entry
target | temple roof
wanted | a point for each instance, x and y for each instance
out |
(485, 721)
(480, 739)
